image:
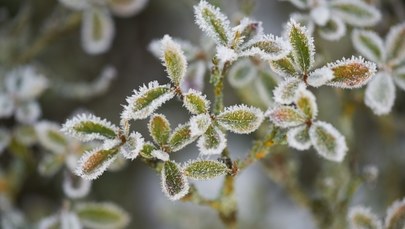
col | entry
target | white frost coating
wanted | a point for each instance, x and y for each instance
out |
(335, 152)
(49, 222)
(283, 48)
(28, 113)
(7, 105)
(303, 19)
(133, 146)
(189, 106)
(295, 138)
(320, 77)
(392, 211)
(287, 91)
(5, 139)
(25, 83)
(372, 17)
(364, 213)
(168, 45)
(143, 113)
(207, 27)
(159, 154)
(122, 222)
(194, 78)
(45, 130)
(395, 34)
(78, 190)
(311, 99)
(180, 194)
(225, 54)
(199, 124)
(127, 8)
(338, 32)
(96, 40)
(69, 220)
(372, 69)
(96, 172)
(238, 82)
(320, 15)
(309, 40)
(253, 124)
(285, 116)
(75, 4)
(70, 125)
(380, 94)
(245, 22)
(399, 77)
(364, 48)
(217, 149)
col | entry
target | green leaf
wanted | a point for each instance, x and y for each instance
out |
(395, 43)
(240, 119)
(89, 127)
(204, 169)
(287, 91)
(395, 218)
(174, 183)
(306, 102)
(267, 47)
(334, 29)
(298, 138)
(284, 67)
(93, 163)
(50, 137)
(199, 124)
(50, 164)
(355, 13)
(286, 116)
(303, 48)
(159, 129)
(180, 137)
(147, 150)
(195, 102)
(351, 73)
(102, 216)
(369, 44)
(363, 218)
(146, 100)
(212, 142)
(174, 60)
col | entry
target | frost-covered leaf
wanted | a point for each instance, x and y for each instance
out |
(25, 134)
(25, 82)
(369, 44)
(399, 77)
(334, 29)
(320, 77)
(240, 119)
(225, 54)
(87, 127)
(298, 138)
(97, 30)
(93, 163)
(286, 92)
(146, 100)
(304, 20)
(174, 182)
(190, 51)
(159, 129)
(199, 124)
(6, 105)
(284, 67)
(320, 14)
(69, 220)
(355, 12)
(75, 4)
(362, 218)
(395, 218)
(50, 137)
(194, 78)
(395, 43)
(267, 47)
(50, 164)
(328, 142)
(286, 116)
(5, 139)
(306, 102)
(102, 215)
(204, 169)
(181, 137)
(242, 73)
(28, 113)
(303, 49)
(195, 102)
(174, 60)
(351, 73)
(380, 94)
(246, 31)
(147, 150)
(133, 146)
(75, 187)
(212, 142)
(161, 155)
(213, 22)
(126, 8)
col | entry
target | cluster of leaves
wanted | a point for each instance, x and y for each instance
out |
(330, 17)
(97, 24)
(360, 217)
